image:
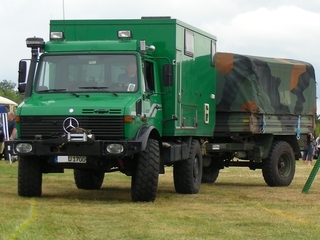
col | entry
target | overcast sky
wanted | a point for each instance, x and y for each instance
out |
(273, 28)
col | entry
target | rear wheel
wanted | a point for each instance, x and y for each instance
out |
(88, 179)
(187, 174)
(279, 168)
(29, 177)
(210, 174)
(144, 181)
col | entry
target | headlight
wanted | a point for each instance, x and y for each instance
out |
(23, 147)
(115, 148)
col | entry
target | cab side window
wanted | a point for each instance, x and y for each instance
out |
(149, 76)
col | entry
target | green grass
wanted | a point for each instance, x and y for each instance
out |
(238, 206)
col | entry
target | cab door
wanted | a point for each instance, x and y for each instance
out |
(152, 106)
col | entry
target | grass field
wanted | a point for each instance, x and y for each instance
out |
(239, 205)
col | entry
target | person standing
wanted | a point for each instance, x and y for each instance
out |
(1, 142)
(11, 126)
(317, 146)
(10, 135)
(310, 147)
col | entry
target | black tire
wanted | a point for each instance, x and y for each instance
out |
(29, 177)
(144, 181)
(279, 168)
(210, 174)
(88, 179)
(187, 174)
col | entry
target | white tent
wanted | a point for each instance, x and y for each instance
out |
(11, 105)
(6, 101)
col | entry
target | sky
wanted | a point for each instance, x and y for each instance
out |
(273, 28)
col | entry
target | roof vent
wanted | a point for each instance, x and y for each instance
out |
(157, 17)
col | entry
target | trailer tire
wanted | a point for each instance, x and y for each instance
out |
(144, 181)
(279, 168)
(210, 174)
(88, 179)
(187, 174)
(29, 177)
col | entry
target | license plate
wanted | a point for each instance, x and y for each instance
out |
(71, 159)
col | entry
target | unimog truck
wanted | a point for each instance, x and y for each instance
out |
(265, 108)
(78, 113)
(188, 107)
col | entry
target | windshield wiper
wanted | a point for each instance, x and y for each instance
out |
(99, 88)
(92, 87)
(54, 90)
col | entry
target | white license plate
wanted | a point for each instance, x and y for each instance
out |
(71, 159)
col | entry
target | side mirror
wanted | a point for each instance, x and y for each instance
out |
(167, 75)
(22, 76)
(22, 71)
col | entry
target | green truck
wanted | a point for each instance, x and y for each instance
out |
(137, 95)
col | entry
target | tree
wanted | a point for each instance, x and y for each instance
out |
(7, 90)
(7, 85)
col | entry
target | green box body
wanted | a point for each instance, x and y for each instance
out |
(184, 109)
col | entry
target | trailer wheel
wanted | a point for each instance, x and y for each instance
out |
(29, 177)
(210, 174)
(144, 181)
(187, 174)
(88, 179)
(279, 168)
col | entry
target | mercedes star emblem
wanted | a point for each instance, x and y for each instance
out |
(69, 124)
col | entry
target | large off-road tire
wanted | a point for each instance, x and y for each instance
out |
(88, 179)
(187, 174)
(144, 181)
(210, 174)
(29, 177)
(279, 168)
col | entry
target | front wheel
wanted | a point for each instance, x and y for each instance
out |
(29, 177)
(187, 174)
(144, 181)
(88, 179)
(279, 168)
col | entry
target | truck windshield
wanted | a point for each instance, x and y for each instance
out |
(87, 73)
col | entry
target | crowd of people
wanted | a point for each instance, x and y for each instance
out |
(311, 148)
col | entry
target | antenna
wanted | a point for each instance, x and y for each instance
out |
(63, 8)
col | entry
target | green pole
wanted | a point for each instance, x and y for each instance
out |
(312, 175)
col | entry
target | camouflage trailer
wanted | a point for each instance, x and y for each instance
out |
(264, 109)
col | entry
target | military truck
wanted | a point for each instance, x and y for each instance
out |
(265, 108)
(78, 113)
(188, 107)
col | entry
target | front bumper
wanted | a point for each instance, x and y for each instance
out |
(66, 146)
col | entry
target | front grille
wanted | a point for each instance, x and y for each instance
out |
(104, 128)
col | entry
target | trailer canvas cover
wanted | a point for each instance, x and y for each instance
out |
(264, 85)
